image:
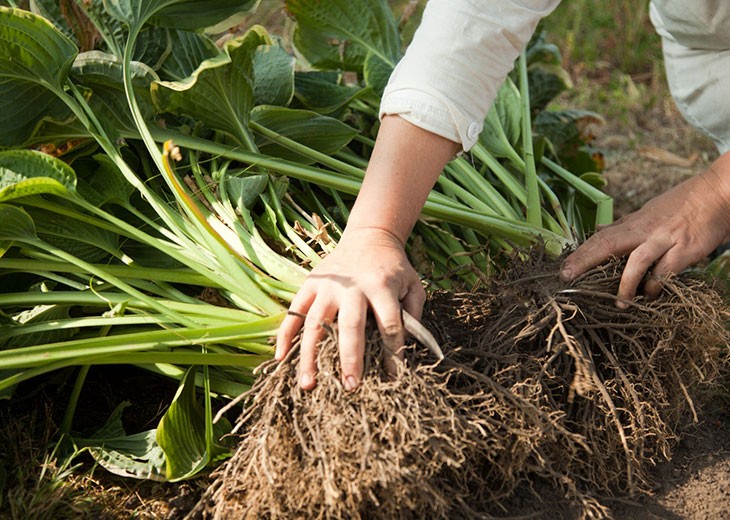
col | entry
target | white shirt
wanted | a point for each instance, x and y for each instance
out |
(464, 49)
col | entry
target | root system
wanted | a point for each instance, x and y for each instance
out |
(543, 382)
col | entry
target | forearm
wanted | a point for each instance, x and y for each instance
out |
(404, 166)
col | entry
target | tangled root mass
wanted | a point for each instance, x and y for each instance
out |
(543, 381)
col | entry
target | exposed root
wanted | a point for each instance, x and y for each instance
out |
(541, 381)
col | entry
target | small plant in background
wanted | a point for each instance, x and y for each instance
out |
(163, 197)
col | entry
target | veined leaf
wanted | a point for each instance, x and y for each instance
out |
(135, 13)
(17, 224)
(347, 34)
(220, 92)
(215, 16)
(273, 76)
(106, 184)
(244, 190)
(316, 131)
(377, 72)
(188, 51)
(136, 456)
(83, 240)
(26, 172)
(502, 127)
(42, 314)
(152, 47)
(179, 14)
(322, 92)
(35, 59)
(181, 433)
(102, 73)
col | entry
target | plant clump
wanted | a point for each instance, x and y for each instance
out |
(543, 382)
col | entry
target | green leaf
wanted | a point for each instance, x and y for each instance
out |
(41, 314)
(344, 33)
(27, 172)
(112, 30)
(152, 47)
(181, 433)
(244, 191)
(51, 11)
(188, 51)
(316, 131)
(107, 184)
(273, 76)
(102, 74)
(17, 224)
(83, 240)
(502, 127)
(377, 71)
(35, 59)
(135, 13)
(215, 16)
(322, 91)
(135, 456)
(220, 92)
(179, 14)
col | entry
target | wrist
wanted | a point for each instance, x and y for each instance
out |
(368, 232)
(717, 177)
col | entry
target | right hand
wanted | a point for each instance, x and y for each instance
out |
(367, 269)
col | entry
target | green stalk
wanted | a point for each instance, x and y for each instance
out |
(466, 173)
(604, 202)
(516, 231)
(180, 275)
(161, 340)
(94, 322)
(73, 399)
(531, 184)
(308, 152)
(101, 273)
(201, 311)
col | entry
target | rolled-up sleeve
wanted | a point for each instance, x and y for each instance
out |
(458, 59)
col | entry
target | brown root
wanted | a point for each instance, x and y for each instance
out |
(541, 381)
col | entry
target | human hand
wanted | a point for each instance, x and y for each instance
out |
(670, 232)
(368, 268)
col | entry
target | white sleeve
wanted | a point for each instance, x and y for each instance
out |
(458, 59)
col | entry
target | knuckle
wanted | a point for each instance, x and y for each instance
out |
(392, 330)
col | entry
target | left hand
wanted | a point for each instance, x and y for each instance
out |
(670, 232)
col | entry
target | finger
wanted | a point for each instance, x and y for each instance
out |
(292, 323)
(672, 262)
(351, 338)
(612, 241)
(638, 264)
(387, 312)
(414, 300)
(312, 333)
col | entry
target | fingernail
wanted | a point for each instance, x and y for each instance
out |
(566, 274)
(306, 380)
(621, 304)
(350, 383)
